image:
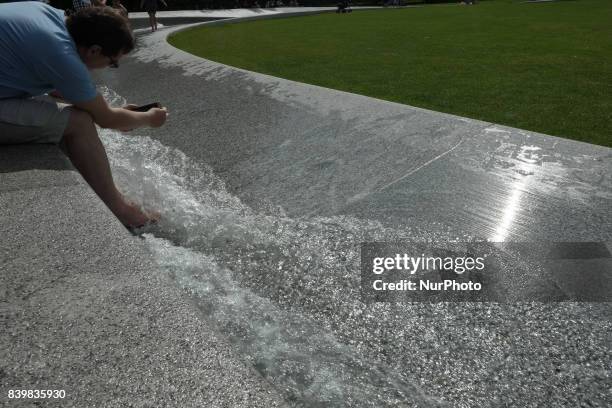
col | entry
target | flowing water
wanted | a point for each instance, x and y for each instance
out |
(284, 291)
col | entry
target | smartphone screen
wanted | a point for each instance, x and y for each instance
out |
(145, 108)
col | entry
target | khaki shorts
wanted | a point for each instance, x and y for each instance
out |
(32, 120)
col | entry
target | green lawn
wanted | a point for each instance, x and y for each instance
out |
(545, 67)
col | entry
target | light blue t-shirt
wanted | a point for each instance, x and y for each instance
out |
(38, 55)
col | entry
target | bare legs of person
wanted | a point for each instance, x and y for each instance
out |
(86, 152)
(152, 22)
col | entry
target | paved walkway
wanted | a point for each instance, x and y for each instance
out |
(230, 13)
(141, 20)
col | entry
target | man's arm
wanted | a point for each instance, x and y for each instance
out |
(119, 118)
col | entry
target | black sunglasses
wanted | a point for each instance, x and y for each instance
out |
(113, 63)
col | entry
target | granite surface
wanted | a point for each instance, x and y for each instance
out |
(85, 310)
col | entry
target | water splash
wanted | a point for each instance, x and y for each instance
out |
(272, 284)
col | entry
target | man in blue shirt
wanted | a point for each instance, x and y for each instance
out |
(43, 52)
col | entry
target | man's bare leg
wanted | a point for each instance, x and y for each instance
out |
(86, 152)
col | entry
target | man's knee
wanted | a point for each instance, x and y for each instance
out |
(79, 123)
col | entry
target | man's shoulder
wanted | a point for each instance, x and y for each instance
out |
(51, 37)
(50, 45)
(33, 19)
(29, 10)
(34, 30)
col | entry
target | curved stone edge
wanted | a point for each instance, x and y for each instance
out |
(210, 65)
(326, 125)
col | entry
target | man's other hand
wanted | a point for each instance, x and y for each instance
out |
(157, 116)
(121, 118)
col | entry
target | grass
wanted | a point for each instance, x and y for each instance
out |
(545, 67)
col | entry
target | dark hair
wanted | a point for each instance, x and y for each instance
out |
(101, 26)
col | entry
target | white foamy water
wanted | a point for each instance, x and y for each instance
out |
(271, 284)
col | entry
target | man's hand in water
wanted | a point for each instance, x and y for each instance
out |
(132, 216)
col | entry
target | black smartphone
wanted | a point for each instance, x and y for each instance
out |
(145, 108)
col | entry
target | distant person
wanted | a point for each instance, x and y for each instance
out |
(116, 4)
(151, 7)
(344, 6)
(42, 52)
(79, 4)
